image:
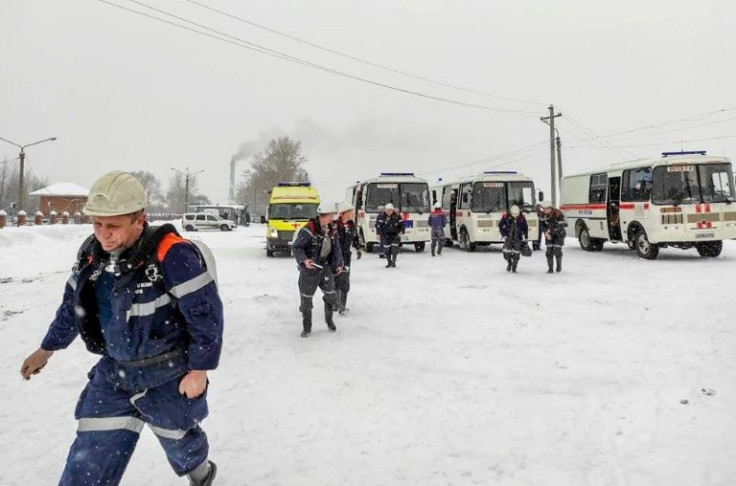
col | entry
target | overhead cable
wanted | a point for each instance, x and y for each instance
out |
(222, 36)
(357, 59)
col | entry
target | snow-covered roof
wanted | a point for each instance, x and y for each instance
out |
(62, 189)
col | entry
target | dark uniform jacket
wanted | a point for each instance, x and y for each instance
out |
(177, 314)
(389, 226)
(347, 236)
(555, 224)
(308, 245)
(514, 229)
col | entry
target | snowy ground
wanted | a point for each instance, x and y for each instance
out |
(448, 371)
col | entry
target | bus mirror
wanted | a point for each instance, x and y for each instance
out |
(465, 198)
(540, 196)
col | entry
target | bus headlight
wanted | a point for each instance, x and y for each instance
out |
(274, 233)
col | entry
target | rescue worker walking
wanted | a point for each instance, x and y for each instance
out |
(537, 243)
(347, 237)
(390, 226)
(144, 300)
(515, 231)
(319, 258)
(437, 221)
(553, 226)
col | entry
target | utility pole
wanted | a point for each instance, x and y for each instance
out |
(550, 120)
(22, 158)
(187, 175)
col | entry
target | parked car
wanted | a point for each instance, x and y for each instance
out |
(199, 221)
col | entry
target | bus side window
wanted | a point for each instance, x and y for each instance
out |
(598, 183)
(637, 185)
(359, 200)
(465, 191)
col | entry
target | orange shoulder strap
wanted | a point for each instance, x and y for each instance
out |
(166, 243)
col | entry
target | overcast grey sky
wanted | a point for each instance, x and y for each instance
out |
(121, 91)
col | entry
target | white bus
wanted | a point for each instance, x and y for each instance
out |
(683, 200)
(408, 194)
(475, 205)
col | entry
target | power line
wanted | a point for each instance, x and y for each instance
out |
(593, 139)
(659, 144)
(697, 117)
(357, 59)
(280, 55)
(715, 122)
(514, 153)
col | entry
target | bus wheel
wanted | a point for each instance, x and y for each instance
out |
(369, 247)
(709, 249)
(189, 227)
(465, 243)
(269, 253)
(419, 247)
(448, 242)
(643, 248)
(586, 242)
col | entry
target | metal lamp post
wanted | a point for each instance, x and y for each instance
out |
(187, 175)
(22, 157)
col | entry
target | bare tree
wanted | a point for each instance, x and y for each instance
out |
(176, 195)
(9, 180)
(282, 160)
(151, 185)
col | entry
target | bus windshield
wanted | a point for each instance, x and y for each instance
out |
(522, 195)
(689, 184)
(296, 211)
(491, 197)
(488, 197)
(407, 197)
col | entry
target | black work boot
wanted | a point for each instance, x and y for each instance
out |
(339, 302)
(388, 257)
(328, 318)
(203, 475)
(306, 323)
(432, 251)
(343, 303)
(508, 265)
(559, 263)
(550, 264)
(513, 265)
(306, 309)
(394, 254)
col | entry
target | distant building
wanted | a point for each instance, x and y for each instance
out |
(64, 196)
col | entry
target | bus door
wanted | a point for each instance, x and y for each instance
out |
(612, 212)
(453, 214)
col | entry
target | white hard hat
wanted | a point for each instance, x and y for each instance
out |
(388, 206)
(545, 204)
(344, 207)
(114, 194)
(437, 205)
(515, 211)
(326, 208)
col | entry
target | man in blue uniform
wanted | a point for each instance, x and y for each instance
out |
(390, 226)
(319, 259)
(143, 300)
